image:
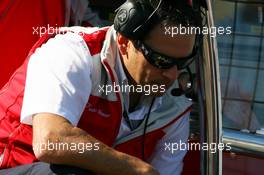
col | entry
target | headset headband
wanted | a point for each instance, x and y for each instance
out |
(135, 17)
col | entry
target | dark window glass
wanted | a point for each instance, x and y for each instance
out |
(241, 59)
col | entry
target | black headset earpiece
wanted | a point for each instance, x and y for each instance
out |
(132, 18)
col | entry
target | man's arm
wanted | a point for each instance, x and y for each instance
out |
(51, 128)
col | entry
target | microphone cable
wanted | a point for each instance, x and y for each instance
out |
(145, 130)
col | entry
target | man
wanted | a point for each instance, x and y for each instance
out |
(100, 99)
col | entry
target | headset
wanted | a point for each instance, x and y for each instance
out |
(133, 20)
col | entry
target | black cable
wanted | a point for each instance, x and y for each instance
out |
(145, 129)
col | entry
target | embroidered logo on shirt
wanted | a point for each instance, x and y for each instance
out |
(99, 111)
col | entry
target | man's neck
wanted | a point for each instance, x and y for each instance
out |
(134, 99)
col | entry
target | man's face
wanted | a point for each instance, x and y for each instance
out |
(142, 72)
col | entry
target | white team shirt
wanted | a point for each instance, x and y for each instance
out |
(58, 81)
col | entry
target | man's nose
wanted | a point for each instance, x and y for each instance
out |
(171, 73)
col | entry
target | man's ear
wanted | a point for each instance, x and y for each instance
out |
(122, 43)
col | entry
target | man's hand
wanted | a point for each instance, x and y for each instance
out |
(50, 128)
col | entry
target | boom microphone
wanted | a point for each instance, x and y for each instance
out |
(186, 83)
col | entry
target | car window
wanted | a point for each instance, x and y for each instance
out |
(241, 59)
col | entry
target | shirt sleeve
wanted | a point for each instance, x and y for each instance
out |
(168, 155)
(58, 79)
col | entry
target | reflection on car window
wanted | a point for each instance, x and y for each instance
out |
(241, 58)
